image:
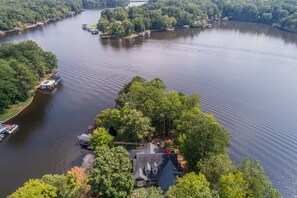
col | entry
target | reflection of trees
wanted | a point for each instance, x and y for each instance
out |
(32, 117)
(134, 42)
(122, 43)
(242, 27)
(258, 29)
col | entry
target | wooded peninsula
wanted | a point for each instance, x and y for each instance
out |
(22, 65)
(145, 110)
(162, 15)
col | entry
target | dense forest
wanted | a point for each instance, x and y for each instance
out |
(90, 4)
(165, 14)
(21, 65)
(280, 12)
(144, 110)
(159, 15)
(15, 13)
(156, 15)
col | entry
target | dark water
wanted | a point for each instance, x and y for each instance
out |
(245, 73)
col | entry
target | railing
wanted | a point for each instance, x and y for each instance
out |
(139, 0)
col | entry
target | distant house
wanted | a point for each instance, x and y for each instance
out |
(152, 167)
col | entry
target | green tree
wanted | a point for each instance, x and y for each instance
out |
(109, 119)
(117, 30)
(151, 192)
(128, 27)
(101, 137)
(103, 25)
(111, 174)
(135, 126)
(199, 135)
(191, 185)
(259, 183)
(34, 188)
(120, 14)
(58, 181)
(215, 166)
(139, 25)
(233, 185)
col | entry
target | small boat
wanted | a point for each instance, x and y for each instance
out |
(208, 25)
(8, 128)
(2, 129)
(2, 136)
(40, 24)
(84, 141)
(94, 31)
(141, 33)
(170, 29)
(186, 26)
(84, 26)
(12, 128)
(16, 29)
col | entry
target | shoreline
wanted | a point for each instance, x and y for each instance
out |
(23, 105)
(4, 33)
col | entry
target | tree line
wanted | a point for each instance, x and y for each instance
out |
(164, 14)
(281, 12)
(146, 109)
(91, 4)
(159, 15)
(21, 65)
(15, 13)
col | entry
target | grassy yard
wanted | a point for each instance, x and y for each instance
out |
(15, 109)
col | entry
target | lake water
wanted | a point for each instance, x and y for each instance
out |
(245, 73)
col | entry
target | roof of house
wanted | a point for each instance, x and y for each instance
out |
(147, 149)
(167, 177)
(151, 164)
(159, 159)
(159, 167)
(140, 175)
(48, 83)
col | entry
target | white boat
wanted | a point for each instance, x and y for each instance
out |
(12, 128)
(2, 136)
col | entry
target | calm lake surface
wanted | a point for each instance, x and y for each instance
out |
(245, 73)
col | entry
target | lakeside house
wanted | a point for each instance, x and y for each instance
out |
(153, 167)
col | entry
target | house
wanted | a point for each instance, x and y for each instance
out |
(152, 167)
(47, 85)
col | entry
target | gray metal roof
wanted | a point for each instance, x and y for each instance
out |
(147, 149)
(167, 177)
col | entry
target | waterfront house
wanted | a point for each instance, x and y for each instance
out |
(153, 167)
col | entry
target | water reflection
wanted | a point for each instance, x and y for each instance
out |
(258, 29)
(246, 78)
(34, 112)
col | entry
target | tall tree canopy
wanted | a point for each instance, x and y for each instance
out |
(15, 13)
(34, 188)
(200, 135)
(191, 185)
(259, 183)
(233, 185)
(111, 174)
